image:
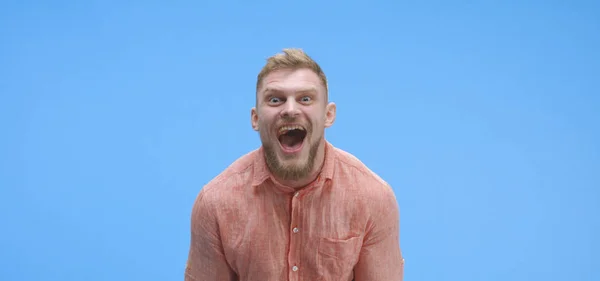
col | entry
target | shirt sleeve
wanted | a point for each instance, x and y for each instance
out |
(206, 259)
(381, 257)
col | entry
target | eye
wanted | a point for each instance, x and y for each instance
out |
(306, 99)
(274, 100)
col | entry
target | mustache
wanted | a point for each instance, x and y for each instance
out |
(288, 119)
(293, 120)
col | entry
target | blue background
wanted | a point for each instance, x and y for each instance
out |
(483, 115)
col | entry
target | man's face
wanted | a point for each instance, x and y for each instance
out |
(291, 116)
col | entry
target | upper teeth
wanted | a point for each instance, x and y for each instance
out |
(289, 128)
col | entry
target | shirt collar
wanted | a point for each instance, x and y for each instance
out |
(262, 173)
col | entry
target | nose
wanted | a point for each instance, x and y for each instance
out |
(290, 109)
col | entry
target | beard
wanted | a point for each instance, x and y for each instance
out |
(290, 172)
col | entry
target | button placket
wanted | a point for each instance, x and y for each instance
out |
(295, 239)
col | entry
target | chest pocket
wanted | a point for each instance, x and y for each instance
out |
(336, 257)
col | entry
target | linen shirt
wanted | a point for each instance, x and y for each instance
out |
(343, 226)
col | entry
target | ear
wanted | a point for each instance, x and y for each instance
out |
(254, 118)
(330, 114)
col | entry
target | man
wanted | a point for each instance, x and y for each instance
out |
(297, 208)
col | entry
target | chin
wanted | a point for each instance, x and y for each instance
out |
(296, 160)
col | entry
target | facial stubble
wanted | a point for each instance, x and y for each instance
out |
(290, 172)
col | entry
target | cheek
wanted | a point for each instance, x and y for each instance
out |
(265, 127)
(318, 123)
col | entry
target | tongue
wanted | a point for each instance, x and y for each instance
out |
(291, 141)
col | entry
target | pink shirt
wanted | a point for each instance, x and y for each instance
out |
(343, 226)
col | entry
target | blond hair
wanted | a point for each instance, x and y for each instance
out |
(291, 58)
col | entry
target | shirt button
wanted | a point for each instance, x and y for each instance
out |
(296, 230)
(295, 268)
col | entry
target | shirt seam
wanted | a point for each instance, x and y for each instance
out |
(363, 172)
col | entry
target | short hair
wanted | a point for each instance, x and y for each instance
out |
(291, 58)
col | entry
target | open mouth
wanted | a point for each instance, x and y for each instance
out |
(291, 137)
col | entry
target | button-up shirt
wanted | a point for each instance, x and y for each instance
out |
(343, 226)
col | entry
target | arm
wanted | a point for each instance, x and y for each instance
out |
(206, 260)
(380, 257)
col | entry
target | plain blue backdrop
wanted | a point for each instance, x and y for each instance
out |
(484, 116)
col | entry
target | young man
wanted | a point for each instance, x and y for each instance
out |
(297, 208)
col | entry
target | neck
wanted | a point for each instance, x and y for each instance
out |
(314, 173)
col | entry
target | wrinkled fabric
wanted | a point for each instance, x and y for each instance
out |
(343, 226)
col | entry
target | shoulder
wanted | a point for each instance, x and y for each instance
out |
(373, 196)
(350, 167)
(232, 179)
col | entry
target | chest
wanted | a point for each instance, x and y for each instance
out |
(278, 236)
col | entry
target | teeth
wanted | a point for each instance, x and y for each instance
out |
(289, 128)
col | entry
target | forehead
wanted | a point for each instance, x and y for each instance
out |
(291, 80)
